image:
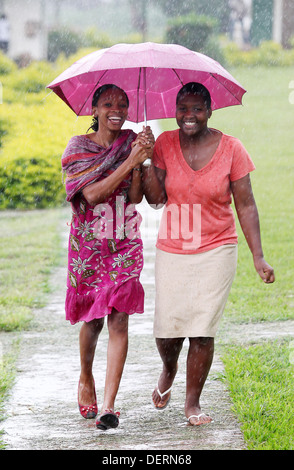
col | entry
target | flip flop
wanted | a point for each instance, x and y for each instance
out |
(108, 420)
(198, 417)
(161, 397)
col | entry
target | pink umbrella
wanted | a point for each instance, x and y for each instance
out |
(151, 74)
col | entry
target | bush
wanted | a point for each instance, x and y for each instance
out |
(30, 183)
(268, 53)
(63, 41)
(32, 79)
(191, 31)
(6, 65)
(3, 130)
(195, 33)
(94, 38)
(30, 157)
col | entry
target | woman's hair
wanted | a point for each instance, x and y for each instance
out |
(195, 88)
(96, 97)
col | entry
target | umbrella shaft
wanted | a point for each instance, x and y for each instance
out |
(145, 98)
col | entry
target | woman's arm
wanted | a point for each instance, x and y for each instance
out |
(154, 185)
(135, 193)
(97, 192)
(146, 139)
(249, 220)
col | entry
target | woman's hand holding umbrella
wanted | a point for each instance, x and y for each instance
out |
(145, 140)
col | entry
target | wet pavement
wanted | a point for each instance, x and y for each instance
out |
(42, 411)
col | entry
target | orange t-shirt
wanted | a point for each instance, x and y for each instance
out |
(198, 215)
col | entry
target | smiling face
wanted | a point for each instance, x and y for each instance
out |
(111, 109)
(192, 114)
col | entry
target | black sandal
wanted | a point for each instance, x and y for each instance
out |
(108, 420)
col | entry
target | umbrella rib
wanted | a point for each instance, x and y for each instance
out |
(138, 93)
(222, 84)
(174, 70)
(91, 92)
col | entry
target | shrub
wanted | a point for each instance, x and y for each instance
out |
(63, 41)
(94, 38)
(268, 53)
(32, 79)
(3, 130)
(30, 183)
(191, 31)
(30, 157)
(195, 33)
(6, 65)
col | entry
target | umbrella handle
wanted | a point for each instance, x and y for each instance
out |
(148, 161)
(145, 98)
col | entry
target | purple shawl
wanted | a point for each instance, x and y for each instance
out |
(85, 162)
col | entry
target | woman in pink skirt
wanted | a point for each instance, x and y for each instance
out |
(103, 182)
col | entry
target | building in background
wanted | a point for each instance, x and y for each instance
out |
(272, 20)
(27, 30)
(4, 33)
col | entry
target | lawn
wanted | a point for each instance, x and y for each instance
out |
(30, 248)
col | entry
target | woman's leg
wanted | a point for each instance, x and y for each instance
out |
(89, 333)
(116, 356)
(169, 350)
(199, 360)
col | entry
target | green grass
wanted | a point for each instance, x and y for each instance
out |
(261, 383)
(29, 250)
(260, 377)
(7, 375)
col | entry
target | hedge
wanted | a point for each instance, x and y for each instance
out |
(29, 183)
(30, 157)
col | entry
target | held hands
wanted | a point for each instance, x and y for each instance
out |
(142, 147)
(146, 138)
(265, 271)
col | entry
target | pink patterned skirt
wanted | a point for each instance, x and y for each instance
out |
(105, 259)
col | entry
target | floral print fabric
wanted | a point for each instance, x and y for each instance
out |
(105, 258)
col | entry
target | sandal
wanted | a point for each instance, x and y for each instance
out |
(161, 397)
(108, 420)
(198, 417)
(88, 411)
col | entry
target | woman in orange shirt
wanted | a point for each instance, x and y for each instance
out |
(195, 172)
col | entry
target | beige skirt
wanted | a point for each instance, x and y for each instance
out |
(192, 291)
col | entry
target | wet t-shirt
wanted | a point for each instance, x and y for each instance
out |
(198, 215)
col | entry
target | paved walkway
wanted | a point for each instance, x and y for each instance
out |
(42, 412)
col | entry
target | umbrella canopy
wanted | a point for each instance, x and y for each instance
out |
(151, 74)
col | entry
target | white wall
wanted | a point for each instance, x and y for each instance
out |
(27, 31)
